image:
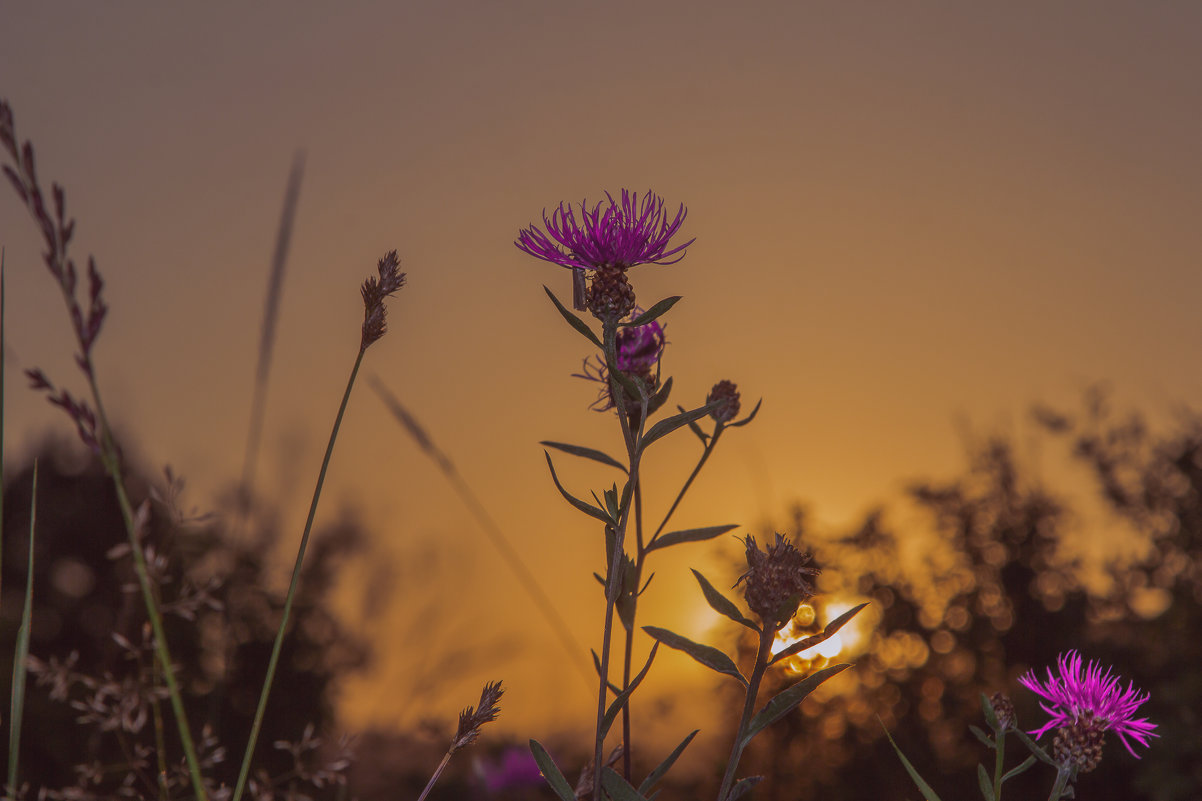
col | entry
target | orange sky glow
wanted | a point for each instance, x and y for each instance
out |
(907, 224)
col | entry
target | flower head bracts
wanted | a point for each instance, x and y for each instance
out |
(778, 579)
(1083, 693)
(618, 235)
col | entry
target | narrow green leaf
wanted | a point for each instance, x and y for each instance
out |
(923, 787)
(696, 429)
(689, 535)
(587, 508)
(748, 418)
(617, 788)
(670, 424)
(809, 642)
(742, 786)
(611, 714)
(983, 737)
(611, 502)
(986, 783)
(707, 655)
(721, 604)
(17, 706)
(786, 701)
(1035, 748)
(661, 396)
(586, 453)
(613, 688)
(662, 768)
(574, 321)
(551, 772)
(1020, 769)
(651, 314)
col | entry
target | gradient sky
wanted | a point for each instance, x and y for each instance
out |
(909, 217)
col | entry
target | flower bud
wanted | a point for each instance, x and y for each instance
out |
(778, 580)
(728, 393)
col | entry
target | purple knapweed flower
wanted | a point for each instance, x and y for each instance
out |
(516, 769)
(1084, 695)
(639, 349)
(640, 346)
(609, 235)
(622, 234)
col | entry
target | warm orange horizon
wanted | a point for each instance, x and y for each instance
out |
(908, 225)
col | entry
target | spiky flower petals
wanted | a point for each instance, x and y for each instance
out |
(375, 291)
(616, 234)
(471, 720)
(778, 580)
(1083, 698)
(728, 393)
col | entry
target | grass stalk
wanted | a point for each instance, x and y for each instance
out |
(17, 704)
(271, 307)
(244, 771)
(111, 459)
(1, 417)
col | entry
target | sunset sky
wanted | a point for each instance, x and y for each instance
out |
(911, 220)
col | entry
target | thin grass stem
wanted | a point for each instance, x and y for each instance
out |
(109, 455)
(244, 771)
(510, 554)
(17, 704)
(437, 772)
(271, 306)
(2, 318)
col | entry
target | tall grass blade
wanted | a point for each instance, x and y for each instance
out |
(1, 413)
(271, 307)
(257, 724)
(509, 554)
(17, 706)
(923, 787)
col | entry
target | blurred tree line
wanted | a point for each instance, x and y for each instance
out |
(996, 594)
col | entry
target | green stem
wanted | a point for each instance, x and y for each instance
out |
(296, 571)
(1062, 777)
(1000, 742)
(705, 454)
(614, 579)
(626, 666)
(753, 689)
